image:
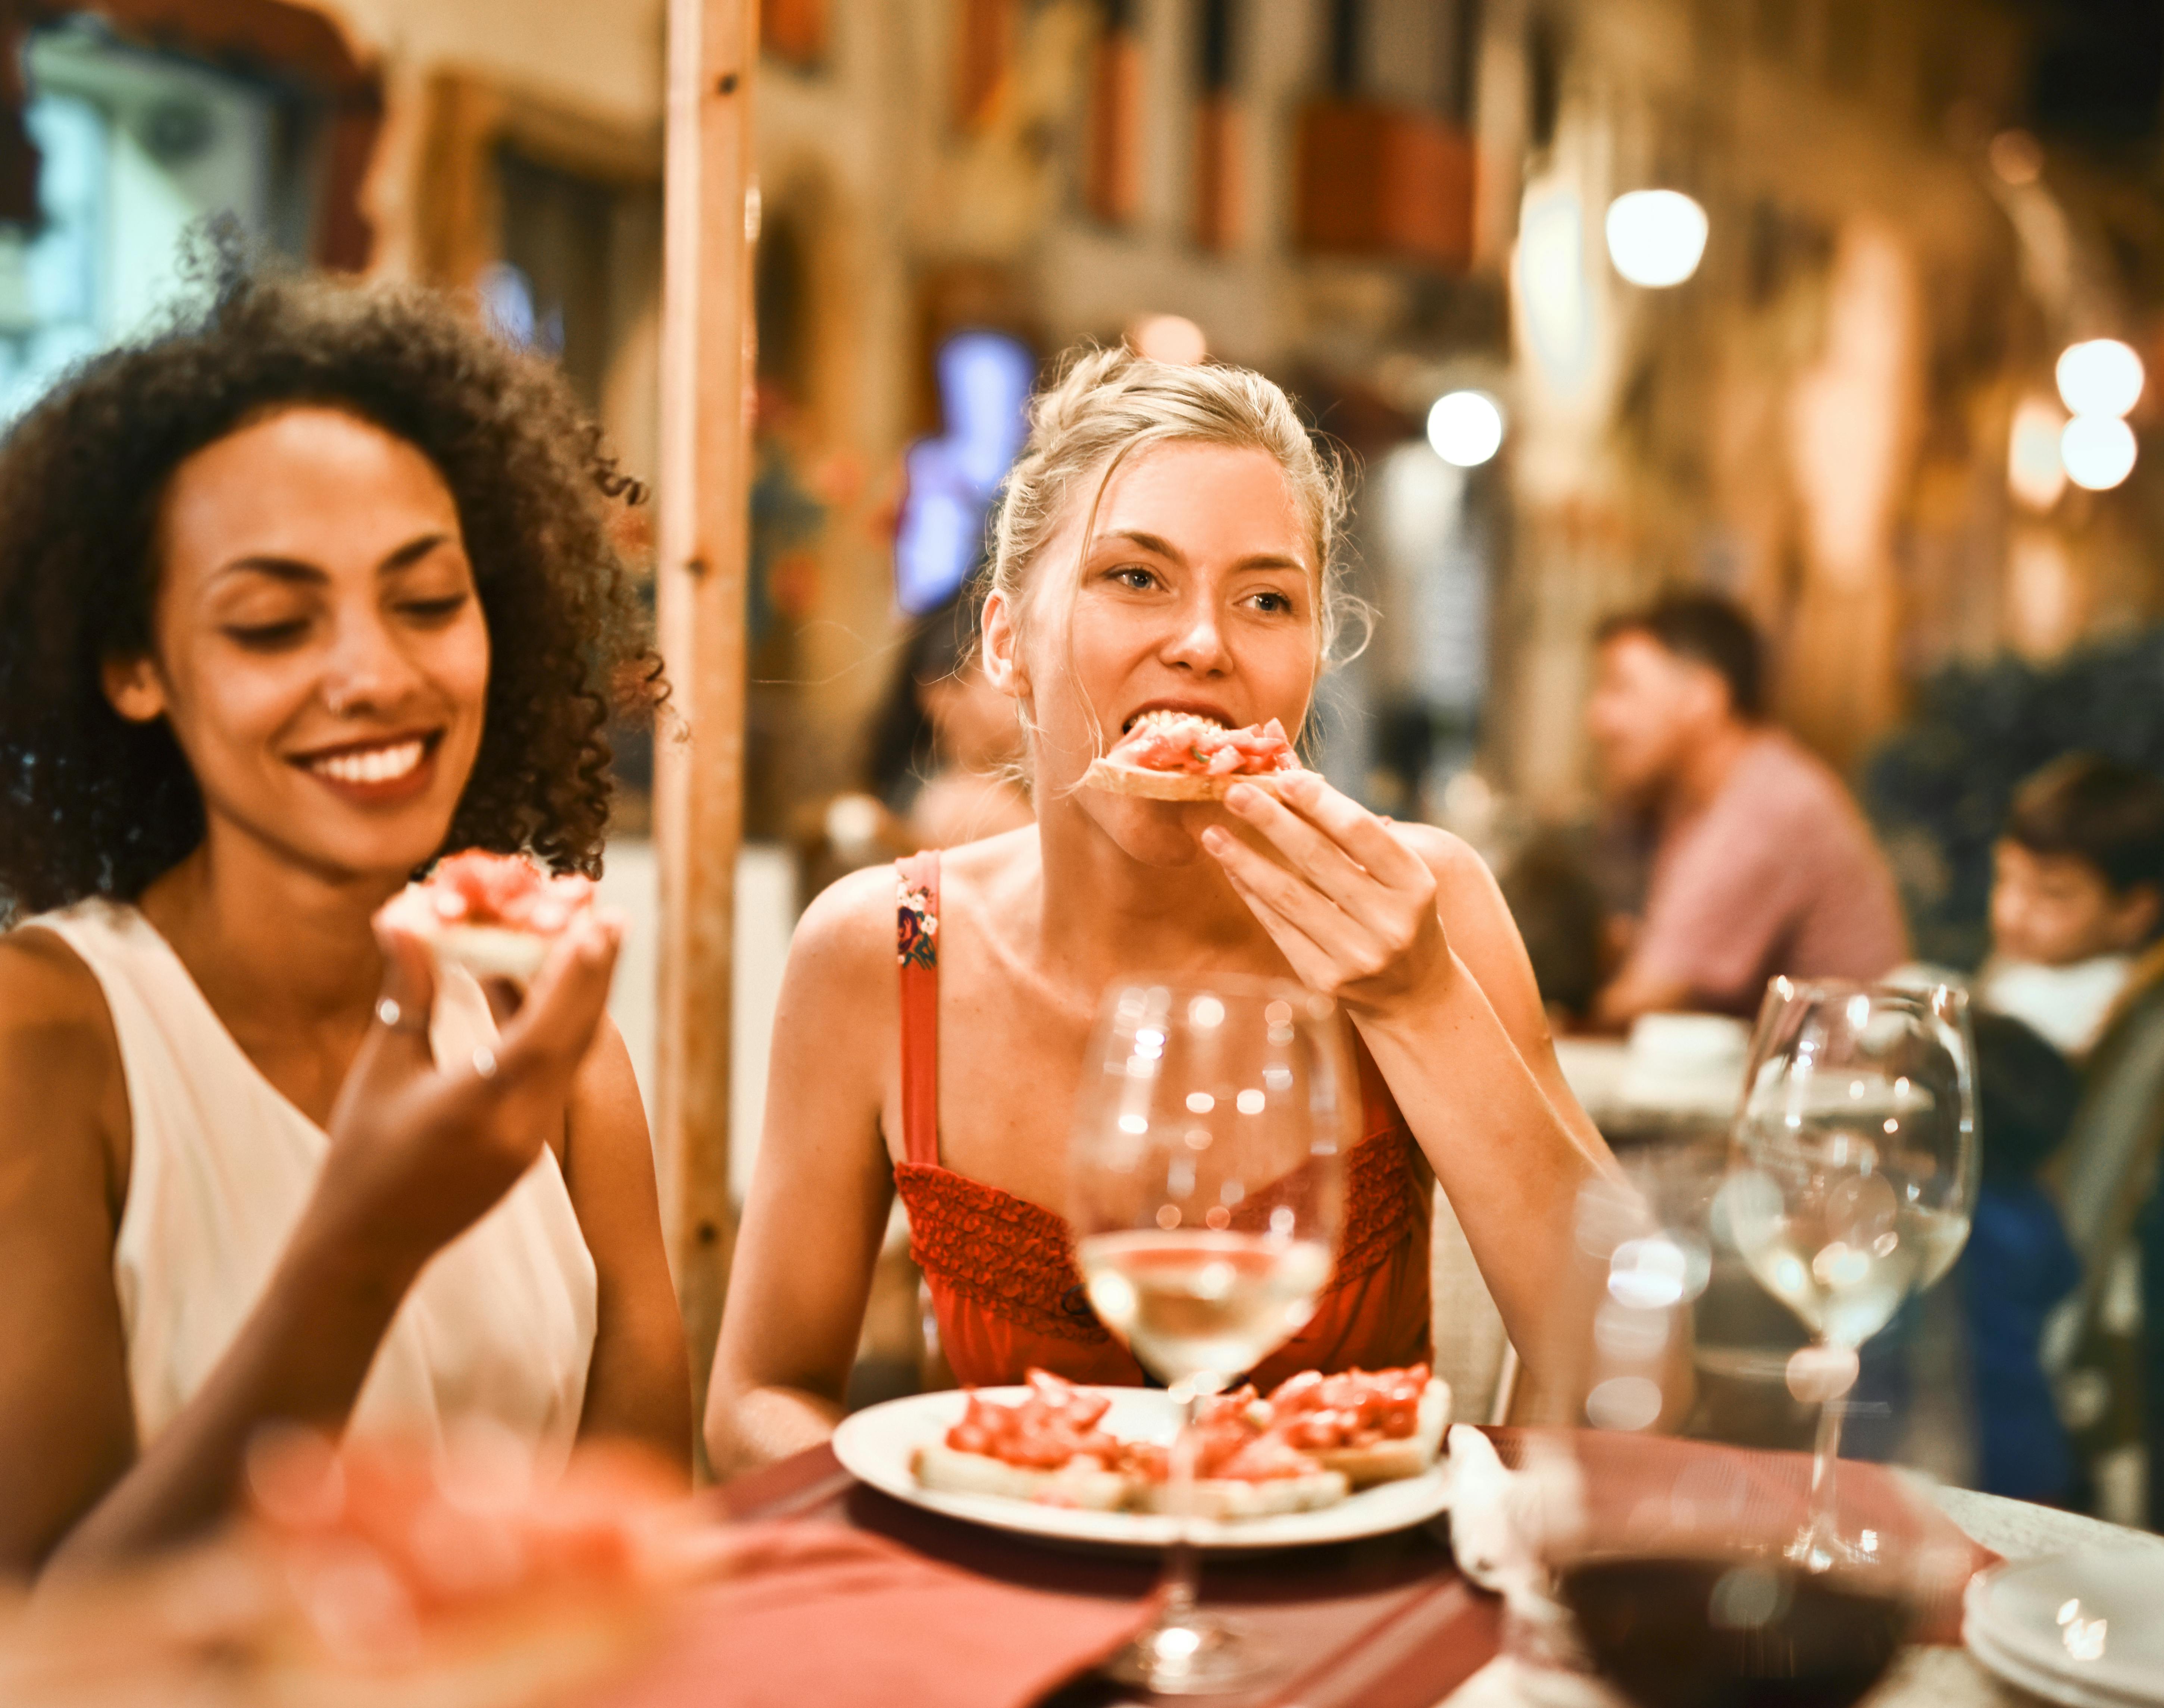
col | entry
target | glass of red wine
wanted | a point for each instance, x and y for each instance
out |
(1675, 1559)
(1205, 1189)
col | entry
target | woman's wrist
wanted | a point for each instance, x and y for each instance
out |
(353, 1273)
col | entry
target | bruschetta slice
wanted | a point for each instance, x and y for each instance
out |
(1184, 755)
(1373, 1426)
(496, 916)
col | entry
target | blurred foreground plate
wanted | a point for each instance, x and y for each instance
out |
(874, 1445)
(2085, 1629)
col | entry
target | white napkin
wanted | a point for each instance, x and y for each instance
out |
(1501, 1524)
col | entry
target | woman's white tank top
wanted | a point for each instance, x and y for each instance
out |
(501, 1321)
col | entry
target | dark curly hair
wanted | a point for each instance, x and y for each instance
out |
(91, 804)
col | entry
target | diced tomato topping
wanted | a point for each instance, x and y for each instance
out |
(474, 888)
(1353, 1408)
(1050, 1428)
(1199, 747)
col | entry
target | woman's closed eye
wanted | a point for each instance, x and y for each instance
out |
(269, 637)
(434, 613)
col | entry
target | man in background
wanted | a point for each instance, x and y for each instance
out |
(1761, 862)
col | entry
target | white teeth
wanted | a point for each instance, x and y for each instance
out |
(1162, 715)
(370, 765)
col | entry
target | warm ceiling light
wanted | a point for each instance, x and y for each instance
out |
(1465, 427)
(2098, 451)
(2102, 376)
(1168, 338)
(2034, 473)
(1656, 237)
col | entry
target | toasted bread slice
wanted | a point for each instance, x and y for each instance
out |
(1173, 785)
(1387, 1461)
(493, 951)
(1082, 1483)
(1234, 1497)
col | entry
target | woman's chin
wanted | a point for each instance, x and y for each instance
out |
(1163, 833)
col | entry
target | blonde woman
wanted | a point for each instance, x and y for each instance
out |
(1165, 540)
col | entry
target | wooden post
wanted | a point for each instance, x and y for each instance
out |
(707, 376)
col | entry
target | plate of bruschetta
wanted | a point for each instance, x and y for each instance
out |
(1319, 1459)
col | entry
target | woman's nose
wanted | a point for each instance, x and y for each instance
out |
(1199, 641)
(368, 670)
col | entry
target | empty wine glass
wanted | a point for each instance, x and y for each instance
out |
(1204, 1192)
(1854, 1172)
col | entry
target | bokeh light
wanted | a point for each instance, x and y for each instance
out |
(1465, 427)
(2100, 376)
(1656, 237)
(2098, 451)
(1168, 338)
(2034, 475)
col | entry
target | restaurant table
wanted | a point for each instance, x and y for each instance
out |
(1386, 1622)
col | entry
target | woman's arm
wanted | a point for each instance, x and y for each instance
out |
(416, 1155)
(638, 1386)
(1453, 1021)
(822, 1189)
(67, 1421)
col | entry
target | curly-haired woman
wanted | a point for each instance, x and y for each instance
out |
(1164, 543)
(295, 595)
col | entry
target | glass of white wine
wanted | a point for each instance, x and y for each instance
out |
(1853, 1177)
(1205, 1190)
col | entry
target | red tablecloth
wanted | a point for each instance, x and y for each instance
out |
(1386, 1622)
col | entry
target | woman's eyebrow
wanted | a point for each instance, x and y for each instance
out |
(412, 553)
(1151, 543)
(278, 569)
(1165, 548)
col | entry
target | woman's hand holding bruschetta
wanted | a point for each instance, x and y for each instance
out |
(1350, 906)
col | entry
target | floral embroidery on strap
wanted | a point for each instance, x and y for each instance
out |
(917, 927)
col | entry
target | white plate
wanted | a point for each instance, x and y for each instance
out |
(2036, 1625)
(874, 1445)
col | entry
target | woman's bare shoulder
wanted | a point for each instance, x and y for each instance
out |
(59, 1053)
(45, 986)
(1459, 871)
(848, 926)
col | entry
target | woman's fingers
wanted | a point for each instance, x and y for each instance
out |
(1312, 853)
(399, 1038)
(1362, 837)
(1311, 965)
(564, 1005)
(1318, 916)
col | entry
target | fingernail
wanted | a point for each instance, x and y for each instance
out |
(1213, 839)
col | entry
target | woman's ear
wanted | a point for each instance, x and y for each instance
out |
(135, 687)
(2133, 916)
(1000, 648)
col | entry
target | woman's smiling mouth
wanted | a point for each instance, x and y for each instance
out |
(375, 771)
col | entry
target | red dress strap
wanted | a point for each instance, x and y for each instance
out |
(916, 948)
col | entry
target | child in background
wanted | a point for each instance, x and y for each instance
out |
(2077, 891)
(2018, 1263)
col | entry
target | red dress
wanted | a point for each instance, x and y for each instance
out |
(1002, 1270)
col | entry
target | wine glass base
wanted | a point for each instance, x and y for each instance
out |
(1193, 1654)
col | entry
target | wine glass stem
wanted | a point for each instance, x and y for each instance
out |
(1176, 1588)
(1826, 1461)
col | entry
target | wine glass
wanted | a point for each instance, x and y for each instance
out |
(1854, 1177)
(1205, 1191)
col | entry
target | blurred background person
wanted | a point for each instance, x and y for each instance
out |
(2019, 1264)
(1761, 862)
(945, 751)
(2077, 888)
